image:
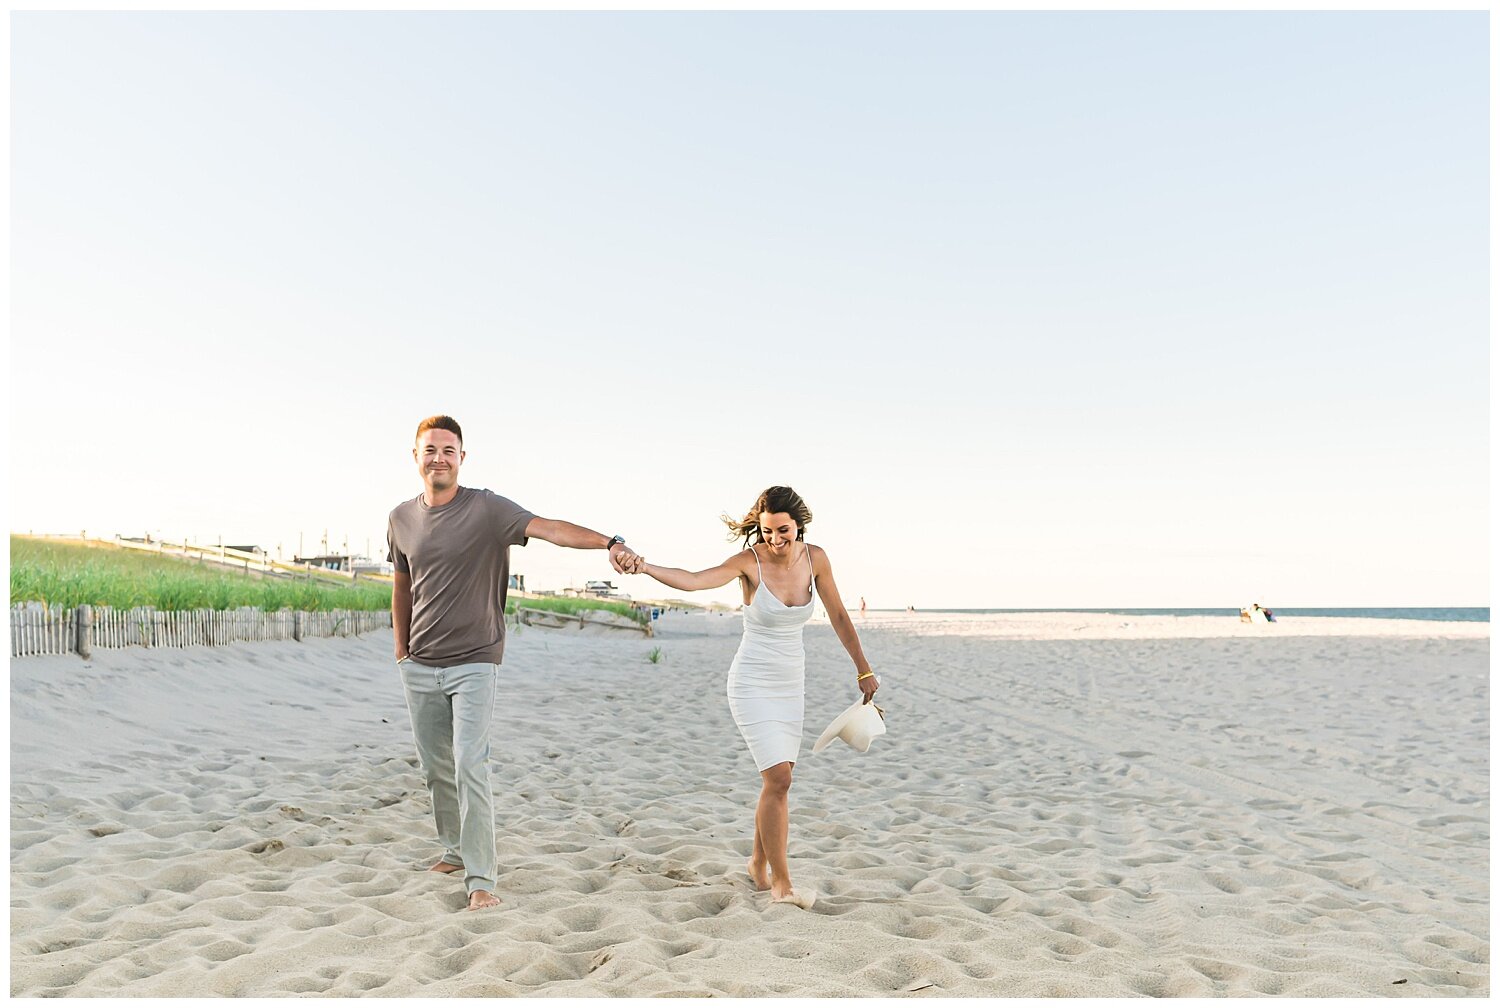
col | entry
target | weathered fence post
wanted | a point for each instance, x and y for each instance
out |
(85, 640)
(297, 625)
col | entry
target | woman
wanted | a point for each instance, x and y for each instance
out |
(778, 574)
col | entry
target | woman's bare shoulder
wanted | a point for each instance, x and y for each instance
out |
(742, 561)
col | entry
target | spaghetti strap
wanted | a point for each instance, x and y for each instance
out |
(812, 579)
(756, 552)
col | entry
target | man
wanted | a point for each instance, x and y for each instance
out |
(451, 549)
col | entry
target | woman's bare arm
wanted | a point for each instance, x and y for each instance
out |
(838, 616)
(713, 577)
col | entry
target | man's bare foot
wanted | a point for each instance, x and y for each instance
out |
(446, 868)
(797, 899)
(760, 876)
(479, 899)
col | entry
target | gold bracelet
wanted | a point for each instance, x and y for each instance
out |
(864, 675)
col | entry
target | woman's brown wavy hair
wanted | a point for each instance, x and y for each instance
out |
(774, 500)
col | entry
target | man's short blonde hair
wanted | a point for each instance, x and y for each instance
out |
(441, 422)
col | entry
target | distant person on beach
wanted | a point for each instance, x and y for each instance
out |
(779, 574)
(450, 546)
(861, 605)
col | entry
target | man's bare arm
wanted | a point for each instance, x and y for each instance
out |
(401, 613)
(563, 533)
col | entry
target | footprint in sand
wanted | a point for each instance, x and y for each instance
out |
(802, 900)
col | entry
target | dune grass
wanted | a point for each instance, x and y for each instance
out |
(575, 605)
(71, 574)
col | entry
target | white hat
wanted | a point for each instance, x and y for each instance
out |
(857, 726)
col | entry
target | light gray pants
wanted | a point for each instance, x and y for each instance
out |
(450, 717)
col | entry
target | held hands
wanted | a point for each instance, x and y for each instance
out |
(625, 560)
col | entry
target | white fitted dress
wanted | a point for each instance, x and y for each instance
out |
(765, 678)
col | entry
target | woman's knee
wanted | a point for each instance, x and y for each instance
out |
(777, 779)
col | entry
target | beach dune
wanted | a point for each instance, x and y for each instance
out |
(1065, 804)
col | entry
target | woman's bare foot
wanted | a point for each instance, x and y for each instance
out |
(760, 875)
(796, 899)
(446, 868)
(479, 899)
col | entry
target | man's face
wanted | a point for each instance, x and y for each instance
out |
(438, 454)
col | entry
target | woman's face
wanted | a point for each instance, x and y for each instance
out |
(778, 531)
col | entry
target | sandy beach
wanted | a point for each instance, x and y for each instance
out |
(1065, 804)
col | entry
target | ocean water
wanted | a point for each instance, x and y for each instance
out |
(1460, 614)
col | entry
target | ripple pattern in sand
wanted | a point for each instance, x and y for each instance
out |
(1079, 817)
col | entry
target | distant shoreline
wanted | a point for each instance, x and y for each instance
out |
(1454, 614)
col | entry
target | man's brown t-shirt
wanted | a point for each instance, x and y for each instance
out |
(458, 556)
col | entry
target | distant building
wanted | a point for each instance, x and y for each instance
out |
(365, 565)
(346, 563)
(332, 561)
(518, 582)
(604, 589)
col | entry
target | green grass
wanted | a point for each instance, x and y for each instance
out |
(575, 605)
(71, 574)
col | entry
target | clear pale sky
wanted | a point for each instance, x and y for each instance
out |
(1090, 309)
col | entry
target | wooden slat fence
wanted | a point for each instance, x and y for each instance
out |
(527, 616)
(37, 629)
